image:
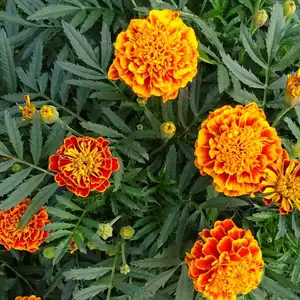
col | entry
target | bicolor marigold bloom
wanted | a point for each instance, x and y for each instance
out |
(27, 238)
(234, 146)
(156, 56)
(226, 263)
(28, 110)
(83, 165)
(32, 297)
(49, 114)
(281, 184)
(292, 92)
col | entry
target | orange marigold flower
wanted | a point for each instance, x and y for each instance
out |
(281, 183)
(32, 297)
(228, 262)
(156, 56)
(28, 110)
(292, 92)
(83, 165)
(29, 237)
(234, 146)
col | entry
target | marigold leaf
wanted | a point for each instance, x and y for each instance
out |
(61, 249)
(67, 203)
(6, 165)
(26, 80)
(61, 213)
(53, 12)
(36, 139)
(15, 19)
(182, 225)
(187, 174)
(171, 164)
(102, 130)
(58, 234)
(94, 238)
(86, 274)
(90, 292)
(223, 79)
(116, 120)
(4, 151)
(185, 289)
(106, 46)
(119, 174)
(293, 127)
(224, 203)
(35, 65)
(93, 85)
(89, 22)
(58, 226)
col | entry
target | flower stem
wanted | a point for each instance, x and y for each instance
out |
(60, 121)
(133, 3)
(280, 115)
(203, 7)
(266, 86)
(112, 277)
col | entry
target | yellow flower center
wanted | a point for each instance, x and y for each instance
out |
(237, 149)
(288, 186)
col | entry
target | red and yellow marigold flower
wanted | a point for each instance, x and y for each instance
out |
(28, 110)
(156, 56)
(226, 263)
(32, 297)
(235, 145)
(292, 92)
(281, 184)
(27, 238)
(83, 165)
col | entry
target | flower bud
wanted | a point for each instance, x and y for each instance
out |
(127, 232)
(49, 252)
(141, 101)
(124, 269)
(139, 127)
(167, 130)
(91, 246)
(49, 114)
(105, 231)
(28, 110)
(16, 168)
(289, 8)
(296, 149)
(260, 18)
(292, 91)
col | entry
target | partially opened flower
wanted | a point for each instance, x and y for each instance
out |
(28, 110)
(32, 297)
(49, 114)
(281, 185)
(27, 238)
(156, 56)
(292, 92)
(235, 145)
(226, 262)
(83, 165)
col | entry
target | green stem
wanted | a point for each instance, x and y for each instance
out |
(123, 253)
(280, 115)
(19, 275)
(133, 3)
(60, 121)
(266, 85)
(203, 7)
(112, 277)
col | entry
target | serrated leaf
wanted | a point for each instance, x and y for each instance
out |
(58, 234)
(106, 46)
(242, 96)
(36, 139)
(4, 151)
(35, 65)
(243, 75)
(275, 31)
(37, 202)
(6, 165)
(86, 274)
(58, 226)
(116, 120)
(262, 216)
(61, 213)
(90, 292)
(282, 227)
(181, 225)
(143, 231)
(7, 63)
(187, 174)
(94, 238)
(13, 181)
(54, 140)
(53, 12)
(184, 290)
(93, 85)
(68, 203)
(279, 84)
(171, 164)
(61, 249)
(293, 127)
(224, 203)
(26, 80)
(81, 46)
(296, 272)
(102, 130)
(90, 20)
(160, 262)
(118, 175)
(223, 79)
(15, 19)
(23, 191)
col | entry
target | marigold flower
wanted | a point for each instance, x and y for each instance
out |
(289, 8)
(28, 110)
(281, 183)
(234, 146)
(260, 18)
(292, 92)
(27, 238)
(83, 165)
(32, 297)
(49, 114)
(73, 246)
(228, 262)
(167, 130)
(156, 56)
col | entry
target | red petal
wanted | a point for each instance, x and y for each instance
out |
(103, 186)
(236, 233)
(53, 163)
(83, 192)
(210, 247)
(197, 250)
(243, 252)
(205, 262)
(218, 232)
(115, 164)
(225, 245)
(60, 179)
(204, 279)
(228, 224)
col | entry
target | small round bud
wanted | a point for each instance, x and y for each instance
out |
(141, 102)
(127, 232)
(105, 231)
(289, 8)
(16, 168)
(124, 269)
(49, 114)
(139, 127)
(49, 252)
(260, 18)
(296, 149)
(17, 51)
(167, 130)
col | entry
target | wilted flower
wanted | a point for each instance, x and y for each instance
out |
(28, 110)
(234, 146)
(226, 263)
(105, 231)
(281, 185)
(32, 297)
(156, 56)
(83, 164)
(127, 232)
(167, 129)
(73, 246)
(260, 18)
(16, 168)
(49, 114)
(289, 8)
(49, 252)
(292, 92)
(29, 237)
(124, 269)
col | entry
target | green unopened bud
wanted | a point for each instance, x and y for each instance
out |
(289, 8)
(17, 51)
(91, 246)
(16, 168)
(260, 18)
(141, 102)
(139, 127)
(49, 114)
(49, 252)
(124, 269)
(167, 130)
(296, 149)
(105, 231)
(127, 232)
